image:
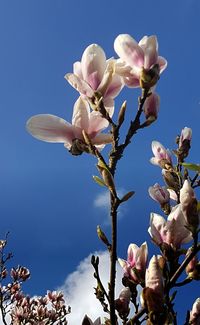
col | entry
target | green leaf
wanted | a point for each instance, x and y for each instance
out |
(99, 180)
(190, 166)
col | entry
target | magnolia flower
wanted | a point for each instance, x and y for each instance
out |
(186, 134)
(151, 106)
(135, 266)
(94, 74)
(162, 156)
(51, 128)
(195, 313)
(137, 58)
(159, 194)
(171, 231)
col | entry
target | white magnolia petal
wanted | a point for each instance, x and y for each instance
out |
(97, 123)
(151, 52)
(81, 114)
(93, 64)
(129, 50)
(77, 69)
(162, 62)
(50, 128)
(80, 85)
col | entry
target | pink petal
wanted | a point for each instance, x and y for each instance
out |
(93, 65)
(81, 115)
(115, 87)
(50, 128)
(79, 85)
(96, 123)
(129, 50)
(151, 52)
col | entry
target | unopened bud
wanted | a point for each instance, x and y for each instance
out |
(122, 114)
(102, 236)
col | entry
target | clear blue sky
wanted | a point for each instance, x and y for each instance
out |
(47, 195)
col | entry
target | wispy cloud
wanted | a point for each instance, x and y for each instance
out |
(79, 292)
(102, 201)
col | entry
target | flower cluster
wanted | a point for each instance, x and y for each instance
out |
(48, 310)
(98, 81)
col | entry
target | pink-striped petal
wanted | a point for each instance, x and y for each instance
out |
(129, 50)
(79, 84)
(93, 65)
(50, 128)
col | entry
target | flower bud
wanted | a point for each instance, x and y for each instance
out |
(151, 107)
(159, 194)
(122, 303)
(122, 114)
(189, 206)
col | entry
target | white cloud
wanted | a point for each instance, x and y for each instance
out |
(79, 292)
(102, 201)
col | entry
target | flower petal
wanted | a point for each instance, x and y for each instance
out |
(162, 62)
(77, 69)
(129, 50)
(81, 114)
(93, 65)
(50, 128)
(80, 85)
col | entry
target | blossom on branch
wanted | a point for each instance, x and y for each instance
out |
(135, 266)
(139, 63)
(171, 231)
(51, 128)
(95, 76)
(159, 194)
(162, 156)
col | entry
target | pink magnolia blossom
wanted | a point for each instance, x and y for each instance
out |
(51, 128)
(186, 134)
(195, 313)
(135, 266)
(171, 231)
(95, 74)
(134, 57)
(162, 156)
(159, 194)
(151, 106)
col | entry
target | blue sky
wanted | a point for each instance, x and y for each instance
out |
(47, 195)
